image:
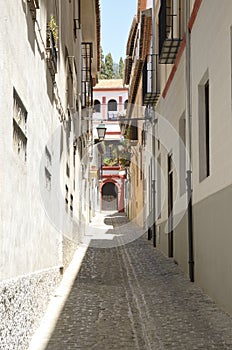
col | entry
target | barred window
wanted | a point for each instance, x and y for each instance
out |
(19, 127)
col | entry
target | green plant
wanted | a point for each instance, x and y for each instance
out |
(123, 162)
(128, 133)
(106, 161)
(110, 161)
(52, 25)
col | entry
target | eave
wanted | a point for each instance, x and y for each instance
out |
(145, 33)
(131, 38)
(135, 80)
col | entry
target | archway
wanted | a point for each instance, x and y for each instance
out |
(109, 196)
(97, 106)
(112, 105)
(125, 104)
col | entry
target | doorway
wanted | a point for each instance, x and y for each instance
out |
(109, 196)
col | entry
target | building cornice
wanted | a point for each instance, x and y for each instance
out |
(110, 89)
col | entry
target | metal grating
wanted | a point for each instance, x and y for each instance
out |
(151, 83)
(170, 31)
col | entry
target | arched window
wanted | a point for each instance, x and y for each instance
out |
(97, 106)
(112, 106)
(125, 104)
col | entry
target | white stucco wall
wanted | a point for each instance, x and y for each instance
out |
(210, 52)
(30, 239)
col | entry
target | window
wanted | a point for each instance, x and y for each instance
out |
(67, 169)
(33, 6)
(48, 164)
(204, 130)
(141, 165)
(170, 30)
(19, 127)
(112, 110)
(97, 106)
(132, 132)
(182, 154)
(70, 81)
(143, 137)
(112, 105)
(66, 197)
(137, 170)
(125, 104)
(52, 45)
(77, 17)
(71, 202)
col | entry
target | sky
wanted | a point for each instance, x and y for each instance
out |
(116, 20)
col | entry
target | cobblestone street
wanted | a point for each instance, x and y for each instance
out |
(132, 297)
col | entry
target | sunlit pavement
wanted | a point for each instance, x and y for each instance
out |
(130, 296)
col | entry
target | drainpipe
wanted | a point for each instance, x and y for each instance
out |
(189, 143)
(153, 128)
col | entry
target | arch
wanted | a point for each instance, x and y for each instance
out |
(112, 105)
(109, 180)
(109, 196)
(119, 188)
(125, 104)
(97, 106)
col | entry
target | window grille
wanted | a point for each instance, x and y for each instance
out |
(19, 127)
(86, 78)
(170, 30)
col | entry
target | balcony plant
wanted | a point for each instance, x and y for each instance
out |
(53, 27)
(51, 42)
(110, 161)
(124, 162)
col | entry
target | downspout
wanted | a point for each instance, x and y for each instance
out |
(153, 127)
(189, 142)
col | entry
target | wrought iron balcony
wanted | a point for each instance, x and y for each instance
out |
(131, 132)
(51, 53)
(170, 31)
(151, 82)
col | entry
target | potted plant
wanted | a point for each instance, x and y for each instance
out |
(53, 28)
(51, 49)
(110, 161)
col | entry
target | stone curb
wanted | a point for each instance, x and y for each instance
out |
(43, 333)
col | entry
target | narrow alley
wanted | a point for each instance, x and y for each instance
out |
(133, 297)
(116, 175)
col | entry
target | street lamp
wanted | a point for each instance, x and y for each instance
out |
(101, 131)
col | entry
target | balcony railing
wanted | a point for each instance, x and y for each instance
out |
(112, 115)
(170, 31)
(151, 81)
(51, 53)
(131, 132)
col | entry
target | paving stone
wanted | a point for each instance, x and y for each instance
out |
(133, 297)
